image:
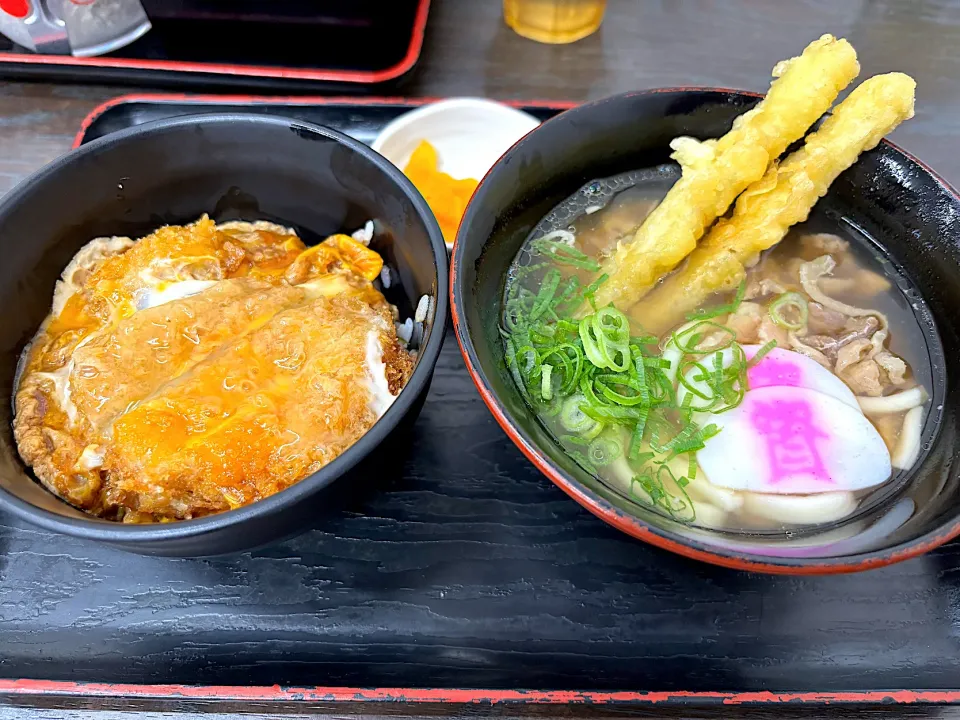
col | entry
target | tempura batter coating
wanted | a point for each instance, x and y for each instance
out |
(716, 171)
(784, 197)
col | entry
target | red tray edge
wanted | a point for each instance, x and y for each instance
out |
(468, 696)
(259, 71)
(204, 99)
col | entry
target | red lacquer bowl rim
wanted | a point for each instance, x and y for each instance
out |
(636, 527)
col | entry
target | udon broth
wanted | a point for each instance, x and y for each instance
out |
(616, 430)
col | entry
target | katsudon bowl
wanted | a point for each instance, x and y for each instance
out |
(231, 167)
(904, 214)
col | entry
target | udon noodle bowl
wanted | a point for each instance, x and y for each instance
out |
(763, 371)
(771, 410)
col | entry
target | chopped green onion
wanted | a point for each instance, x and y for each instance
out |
(565, 254)
(688, 383)
(762, 353)
(591, 343)
(604, 450)
(594, 431)
(606, 339)
(567, 359)
(637, 438)
(569, 291)
(592, 288)
(789, 301)
(649, 486)
(514, 368)
(548, 288)
(717, 376)
(683, 440)
(597, 374)
(573, 418)
(662, 391)
(586, 389)
(551, 408)
(679, 508)
(546, 387)
(528, 359)
(612, 322)
(688, 341)
(640, 371)
(706, 314)
(709, 431)
(542, 334)
(512, 315)
(644, 457)
(612, 413)
(606, 384)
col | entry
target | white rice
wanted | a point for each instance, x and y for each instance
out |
(405, 330)
(423, 307)
(365, 234)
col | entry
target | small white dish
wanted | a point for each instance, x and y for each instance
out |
(470, 134)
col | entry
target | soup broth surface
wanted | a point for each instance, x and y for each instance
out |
(608, 211)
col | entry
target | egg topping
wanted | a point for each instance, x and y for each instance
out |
(205, 367)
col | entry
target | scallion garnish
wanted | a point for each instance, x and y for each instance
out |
(548, 289)
(730, 307)
(604, 450)
(564, 254)
(762, 353)
(790, 311)
(616, 396)
(592, 288)
(546, 386)
(636, 439)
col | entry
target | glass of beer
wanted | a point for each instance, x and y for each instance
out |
(554, 21)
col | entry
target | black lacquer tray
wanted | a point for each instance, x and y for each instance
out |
(266, 46)
(466, 577)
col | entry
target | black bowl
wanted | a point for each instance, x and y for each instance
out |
(232, 167)
(911, 213)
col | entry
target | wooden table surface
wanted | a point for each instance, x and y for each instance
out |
(642, 44)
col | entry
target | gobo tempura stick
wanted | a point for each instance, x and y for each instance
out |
(716, 171)
(784, 197)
